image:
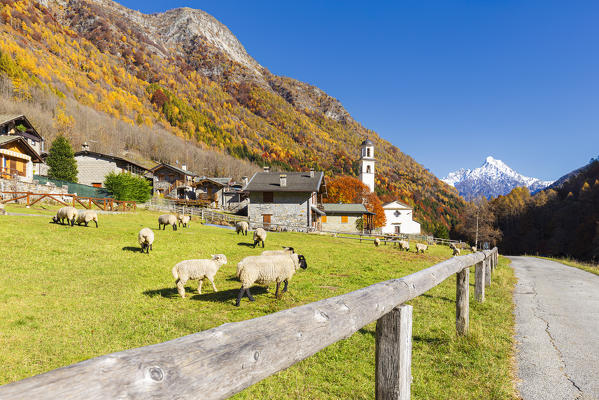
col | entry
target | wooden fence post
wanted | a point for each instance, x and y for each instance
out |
(462, 311)
(479, 282)
(393, 376)
(487, 264)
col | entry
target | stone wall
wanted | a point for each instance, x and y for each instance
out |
(92, 170)
(11, 185)
(287, 208)
(334, 224)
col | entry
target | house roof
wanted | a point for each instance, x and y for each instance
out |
(176, 169)
(107, 156)
(5, 139)
(367, 142)
(334, 208)
(6, 118)
(396, 205)
(296, 182)
(218, 181)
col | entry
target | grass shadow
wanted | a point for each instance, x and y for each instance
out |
(246, 244)
(365, 331)
(133, 249)
(225, 295)
(169, 293)
(446, 299)
(429, 340)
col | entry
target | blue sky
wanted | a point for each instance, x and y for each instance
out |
(448, 82)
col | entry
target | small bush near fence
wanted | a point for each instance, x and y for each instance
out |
(128, 187)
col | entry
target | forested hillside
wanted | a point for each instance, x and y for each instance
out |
(562, 220)
(179, 86)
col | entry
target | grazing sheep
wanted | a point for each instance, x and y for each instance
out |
(421, 247)
(286, 250)
(167, 219)
(185, 220)
(456, 251)
(68, 213)
(452, 246)
(473, 248)
(377, 242)
(86, 217)
(197, 269)
(242, 226)
(145, 239)
(404, 245)
(265, 269)
(259, 236)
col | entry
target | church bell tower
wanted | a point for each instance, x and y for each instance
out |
(367, 161)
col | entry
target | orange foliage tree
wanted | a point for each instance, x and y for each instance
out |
(347, 190)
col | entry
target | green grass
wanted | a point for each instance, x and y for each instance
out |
(589, 267)
(71, 293)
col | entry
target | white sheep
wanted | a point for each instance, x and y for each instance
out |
(377, 242)
(197, 269)
(145, 239)
(473, 248)
(404, 245)
(242, 226)
(185, 220)
(167, 219)
(259, 236)
(452, 246)
(456, 251)
(69, 213)
(266, 269)
(421, 247)
(86, 217)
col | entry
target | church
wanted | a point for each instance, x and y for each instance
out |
(398, 215)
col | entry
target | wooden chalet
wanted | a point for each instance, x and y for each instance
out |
(17, 158)
(174, 182)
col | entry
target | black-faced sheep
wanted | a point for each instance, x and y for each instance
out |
(167, 219)
(69, 213)
(184, 220)
(259, 237)
(404, 245)
(266, 269)
(86, 217)
(145, 239)
(421, 248)
(377, 242)
(242, 227)
(197, 270)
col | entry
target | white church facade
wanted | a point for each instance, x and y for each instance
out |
(398, 215)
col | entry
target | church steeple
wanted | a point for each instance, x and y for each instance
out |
(367, 161)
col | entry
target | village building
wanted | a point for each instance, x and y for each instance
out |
(211, 190)
(345, 217)
(399, 219)
(17, 158)
(19, 125)
(92, 167)
(174, 182)
(289, 199)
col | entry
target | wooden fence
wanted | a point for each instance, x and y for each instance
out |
(219, 362)
(106, 204)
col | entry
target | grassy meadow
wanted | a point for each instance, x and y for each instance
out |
(72, 293)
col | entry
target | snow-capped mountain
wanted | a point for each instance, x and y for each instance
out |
(492, 179)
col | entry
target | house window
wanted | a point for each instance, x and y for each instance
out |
(344, 219)
(367, 152)
(324, 219)
(368, 169)
(97, 184)
(267, 197)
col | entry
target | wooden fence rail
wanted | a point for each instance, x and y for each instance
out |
(219, 362)
(106, 204)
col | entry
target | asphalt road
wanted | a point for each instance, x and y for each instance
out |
(557, 330)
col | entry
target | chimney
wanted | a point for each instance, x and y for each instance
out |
(266, 168)
(85, 146)
(283, 180)
(184, 167)
(311, 172)
(245, 180)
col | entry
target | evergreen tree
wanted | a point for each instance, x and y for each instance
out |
(61, 160)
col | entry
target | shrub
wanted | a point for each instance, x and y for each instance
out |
(128, 187)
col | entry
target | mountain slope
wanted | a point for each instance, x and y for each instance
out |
(184, 71)
(492, 179)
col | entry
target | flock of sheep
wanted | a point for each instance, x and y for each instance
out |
(276, 266)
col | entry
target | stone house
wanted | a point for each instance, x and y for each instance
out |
(92, 167)
(288, 198)
(17, 158)
(343, 217)
(211, 189)
(19, 125)
(399, 219)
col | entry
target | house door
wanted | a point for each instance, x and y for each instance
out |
(397, 229)
(266, 220)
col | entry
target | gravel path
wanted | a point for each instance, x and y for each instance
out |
(557, 330)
